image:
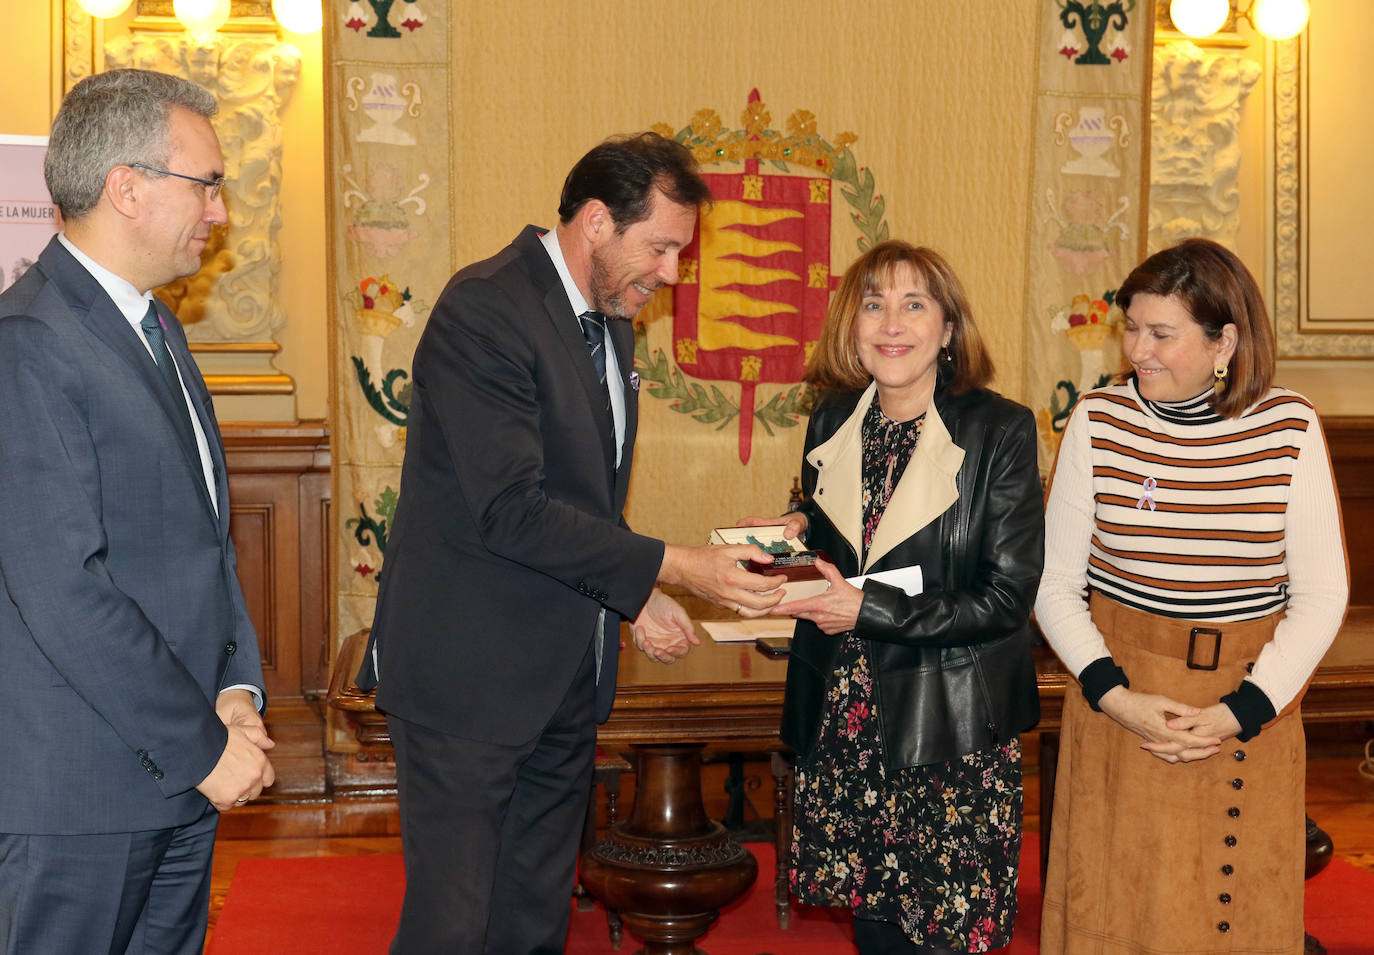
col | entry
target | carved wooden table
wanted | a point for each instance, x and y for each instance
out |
(668, 869)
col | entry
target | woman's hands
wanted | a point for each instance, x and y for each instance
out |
(1173, 731)
(834, 611)
(1215, 720)
(794, 523)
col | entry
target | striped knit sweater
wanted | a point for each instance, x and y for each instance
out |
(1170, 509)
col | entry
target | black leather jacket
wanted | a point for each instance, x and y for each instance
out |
(953, 666)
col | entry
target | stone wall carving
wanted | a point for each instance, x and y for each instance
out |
(234, 297)
(1288, 292)
(78, 45)
(1195, 149)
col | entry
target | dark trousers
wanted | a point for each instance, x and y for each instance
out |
(490, 832)
(141, 893)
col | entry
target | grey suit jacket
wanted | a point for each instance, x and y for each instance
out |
(121, 617)
(508, 537)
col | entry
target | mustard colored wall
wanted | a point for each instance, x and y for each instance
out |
(27, 89)
(305, 338)
(939, 95)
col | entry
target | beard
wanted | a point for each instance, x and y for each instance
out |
(606, 298)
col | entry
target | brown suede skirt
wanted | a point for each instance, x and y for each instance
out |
(1148, 856)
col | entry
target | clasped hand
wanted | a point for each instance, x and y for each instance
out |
(243, 770)
(1173, 731)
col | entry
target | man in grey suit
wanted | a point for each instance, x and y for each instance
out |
(131, 685)
(510, 567)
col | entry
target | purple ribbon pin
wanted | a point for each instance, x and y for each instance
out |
(1149, 496)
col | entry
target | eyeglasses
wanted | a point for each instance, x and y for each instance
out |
(215, 185)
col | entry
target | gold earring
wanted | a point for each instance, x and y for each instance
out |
(1219, 373)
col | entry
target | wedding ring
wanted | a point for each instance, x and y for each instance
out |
(240, 801)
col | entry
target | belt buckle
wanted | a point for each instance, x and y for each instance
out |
(1212, 632)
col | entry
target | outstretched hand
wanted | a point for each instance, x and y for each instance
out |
(834, 611)
(714, 573)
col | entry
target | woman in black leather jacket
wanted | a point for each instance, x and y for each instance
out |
(904, 709)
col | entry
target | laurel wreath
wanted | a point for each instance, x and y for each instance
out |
(712, 406)
(867, 205)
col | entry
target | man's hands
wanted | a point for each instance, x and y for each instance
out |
(1173, 731)
(663, 631)
(243, 770)
(713, 573)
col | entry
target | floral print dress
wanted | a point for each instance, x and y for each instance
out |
(933, 848)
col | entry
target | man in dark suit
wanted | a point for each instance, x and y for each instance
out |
(130, 681)
(510, 567)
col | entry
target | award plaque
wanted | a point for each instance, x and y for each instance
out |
(794, 565)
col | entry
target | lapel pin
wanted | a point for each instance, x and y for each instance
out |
(1148, 497)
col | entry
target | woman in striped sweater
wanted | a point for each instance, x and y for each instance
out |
(1194, 577)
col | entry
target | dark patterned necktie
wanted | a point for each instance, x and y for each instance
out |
(152, 330)
(594, 332)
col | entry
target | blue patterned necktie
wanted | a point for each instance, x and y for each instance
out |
(152, 330)
(594, 332)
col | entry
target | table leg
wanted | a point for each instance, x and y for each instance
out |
(668, 869)
(1049, 768)
(782, 818)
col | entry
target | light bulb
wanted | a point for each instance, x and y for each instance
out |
(105, 9)
(201, 17)
(1199, 18)
(1280, 19)
(298, 16)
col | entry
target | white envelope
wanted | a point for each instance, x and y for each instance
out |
(907, 578)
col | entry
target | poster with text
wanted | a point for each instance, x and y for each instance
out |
(28, 218)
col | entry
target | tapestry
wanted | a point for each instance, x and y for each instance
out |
(1089, 195)
(723, 408)
(389, 121)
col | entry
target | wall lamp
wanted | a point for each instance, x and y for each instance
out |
(1274, 19)
(203, 17)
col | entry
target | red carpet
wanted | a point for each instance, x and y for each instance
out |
(328, 906)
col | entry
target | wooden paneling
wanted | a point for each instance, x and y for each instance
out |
(1351, 440)
(279, 500)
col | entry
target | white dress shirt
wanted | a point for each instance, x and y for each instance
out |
(579, 305)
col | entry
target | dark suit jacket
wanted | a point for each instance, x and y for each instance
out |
(121, 617)
(508, 537)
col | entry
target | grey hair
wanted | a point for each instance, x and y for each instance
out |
(113, 119)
